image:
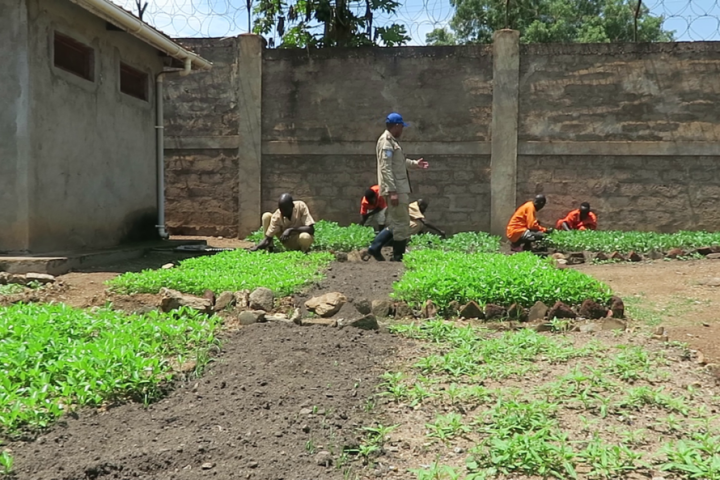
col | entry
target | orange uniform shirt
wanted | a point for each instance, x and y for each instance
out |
(523, 219)
(576, 223)
(367, 207)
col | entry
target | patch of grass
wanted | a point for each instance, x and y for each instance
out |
(11, 289)
(626, 242)
(329, 236)
(283, 273)
(54, 357)
(523, 278)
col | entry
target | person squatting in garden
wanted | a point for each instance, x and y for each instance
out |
(372, 209)
(392, 169)
(417, 219)
(523, 228)
(291, 223)
(579, 219)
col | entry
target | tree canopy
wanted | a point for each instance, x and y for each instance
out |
(327, 23)
(544, 21)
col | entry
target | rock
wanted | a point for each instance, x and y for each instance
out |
(248, 317)
(558, 256)
(710, 282)
(471, 310)
(493, 312)
(223, 301)
(381, 308)
(168, 266)
(704, 250)
(543, 327)
(363, 306)
(209, 295)
(576, 258)
(323, 459)
(612, 323)
(43, 278)
(402, 310)
(655, 255)
(172, 300)
(207, 465)
(341, 256)
(700, 360)
(242, 299)
(429, 310)
(16, 279)
(277, 318)
(589, 327)
(453, 308)
(601, 257)
(561, 263)
(617, 306)
(713, 256)
(326, 305)
(634, 257)
(368, 322)
(537, 312)
(592, 310)
(517, 312)
(675, 252)
(296, 317)
(324, 322)
(261, 299)
(4, 277)
(560, 310)
(617, 256)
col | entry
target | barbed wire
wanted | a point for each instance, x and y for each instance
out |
(690, 20)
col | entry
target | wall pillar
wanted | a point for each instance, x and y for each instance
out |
(249, 101)
(504, 129)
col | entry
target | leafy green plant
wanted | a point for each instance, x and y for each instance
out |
(464, 242)
(54, 357)
(447, 426)
(436, 471)
(6, 463)
(608, 461)
(283, 273)
(329, 236)
(492, 278)
(11, 289)
(626, 242)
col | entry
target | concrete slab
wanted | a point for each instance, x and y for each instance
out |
(59, 263)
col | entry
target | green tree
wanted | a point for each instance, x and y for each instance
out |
(327, 23)
(543, 21)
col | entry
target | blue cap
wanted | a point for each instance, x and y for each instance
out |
(396, 119)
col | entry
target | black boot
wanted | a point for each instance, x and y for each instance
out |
(382, 239)
(399, 250)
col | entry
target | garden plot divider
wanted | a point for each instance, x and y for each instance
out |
(619, 125)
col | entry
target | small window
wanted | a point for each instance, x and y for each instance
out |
(73, 56)
(133, 82)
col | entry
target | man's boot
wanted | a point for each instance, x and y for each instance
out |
(399, 250)
(381, 239)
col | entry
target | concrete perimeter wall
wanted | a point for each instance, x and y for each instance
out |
(630, 128)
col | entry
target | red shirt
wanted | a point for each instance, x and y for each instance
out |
(576, 223)
(366, 207)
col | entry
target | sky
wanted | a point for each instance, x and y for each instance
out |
(690, 19)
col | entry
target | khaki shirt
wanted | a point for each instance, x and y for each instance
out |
(300, 218)
(415, 216)
(392, 166)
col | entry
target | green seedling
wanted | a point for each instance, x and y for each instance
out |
(447, 427)
(608, 461)
(6, 463)
(492, 278)
(692, 459)
(283, 273)
(625, 242)
(436, 471)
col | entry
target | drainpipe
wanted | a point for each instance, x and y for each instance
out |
(160, 139)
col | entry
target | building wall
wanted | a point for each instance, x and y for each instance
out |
(631, 128)
(14, 134)
(92, 179)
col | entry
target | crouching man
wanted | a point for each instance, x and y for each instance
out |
(291, 223)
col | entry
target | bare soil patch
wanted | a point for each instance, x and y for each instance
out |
(275, 398)
(677, 295)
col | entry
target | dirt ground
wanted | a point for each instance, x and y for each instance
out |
(275, 398)
(681, 296)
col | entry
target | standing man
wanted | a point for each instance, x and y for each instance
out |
(291, 223)
(372, 208)
(523, 227)
(417, 218)
(579, 219)
(394, 184)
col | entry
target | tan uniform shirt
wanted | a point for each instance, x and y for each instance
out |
(415, 216)
(300, 218)
(392, 166)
